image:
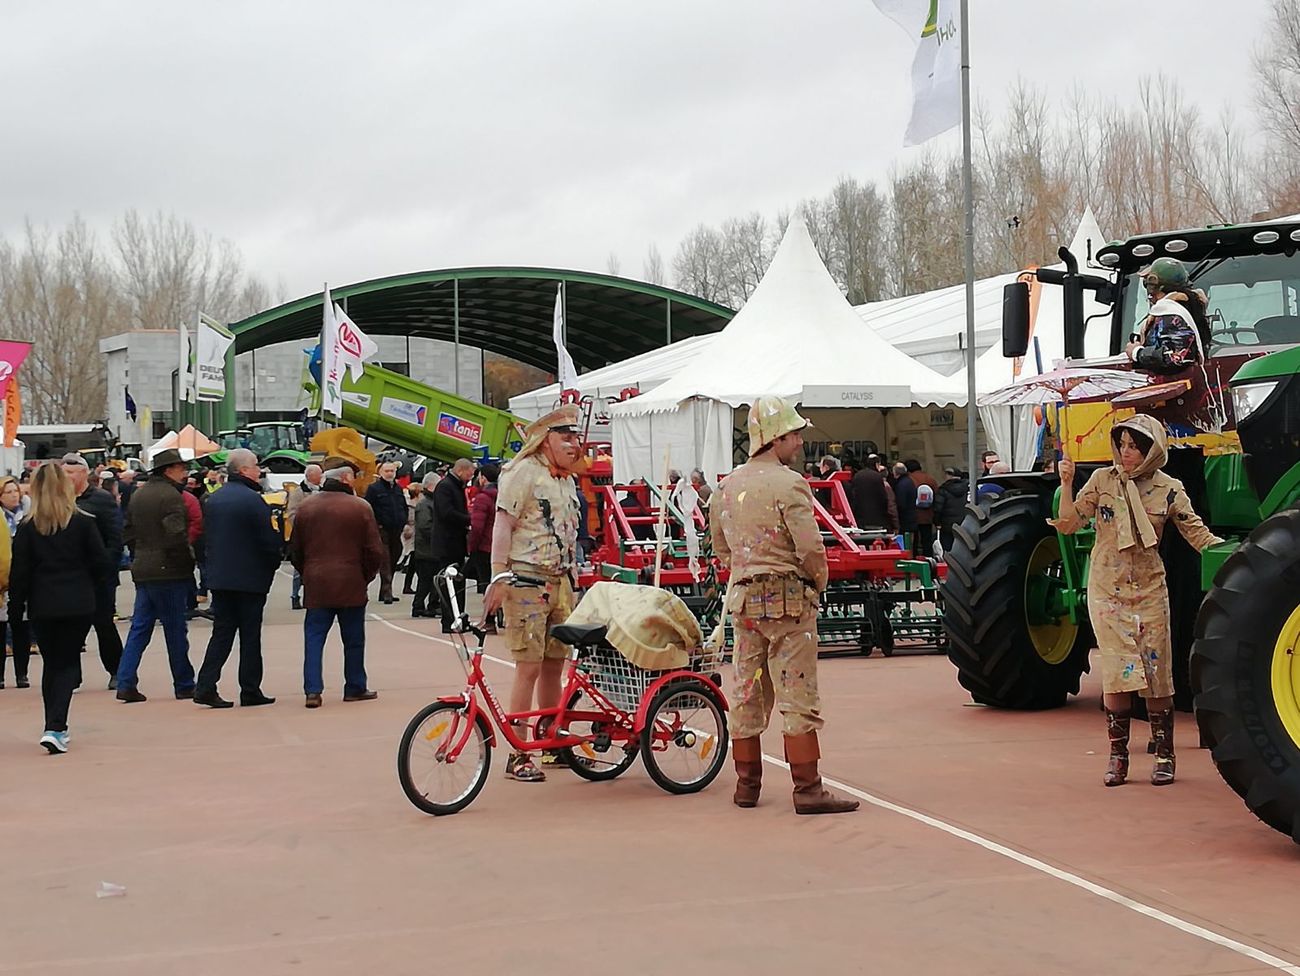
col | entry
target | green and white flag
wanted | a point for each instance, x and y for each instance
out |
(213, 339)
(935, 28)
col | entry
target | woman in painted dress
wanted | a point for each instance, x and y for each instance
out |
(1128, 602)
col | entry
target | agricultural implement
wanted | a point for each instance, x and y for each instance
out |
(879, 595)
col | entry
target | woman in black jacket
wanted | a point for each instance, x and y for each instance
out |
(58, 562)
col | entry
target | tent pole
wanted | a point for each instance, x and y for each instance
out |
(969, 194)
(455, 330)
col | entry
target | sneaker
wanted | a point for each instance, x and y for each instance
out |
(55, 742)
(520, 767)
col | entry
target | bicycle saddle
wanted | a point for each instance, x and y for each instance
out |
(579, 635)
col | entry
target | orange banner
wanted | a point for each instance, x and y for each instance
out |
(13, 412)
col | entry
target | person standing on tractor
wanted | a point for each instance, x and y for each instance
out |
(1128, 601)
(1176, 332)
(535, 535)
(765, 535)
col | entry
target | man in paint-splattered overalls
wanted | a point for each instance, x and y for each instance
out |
(765, 534)
(535, 535)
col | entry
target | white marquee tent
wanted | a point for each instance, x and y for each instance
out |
(797, 337)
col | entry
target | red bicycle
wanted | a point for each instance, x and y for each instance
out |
(611, 712)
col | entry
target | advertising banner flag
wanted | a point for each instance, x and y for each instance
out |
(213, 339)
(935, 28)
(565, 371)
(12, 355)
(13, 411)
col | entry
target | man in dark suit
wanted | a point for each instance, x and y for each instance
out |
(244, 551)
(451, 529)
(388, 500)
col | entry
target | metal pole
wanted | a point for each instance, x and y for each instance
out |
(668, 324)
(455, 328)
(968, 193)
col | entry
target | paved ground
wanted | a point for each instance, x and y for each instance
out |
(276, 840)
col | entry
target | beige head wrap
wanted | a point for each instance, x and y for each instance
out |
(1130, 513)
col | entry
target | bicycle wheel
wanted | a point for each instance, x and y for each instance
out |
(684, 742)
(594, 760)
(434, 785)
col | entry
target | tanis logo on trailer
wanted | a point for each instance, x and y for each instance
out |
(461, 430)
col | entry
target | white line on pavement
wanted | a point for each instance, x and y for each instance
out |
(1173, 921)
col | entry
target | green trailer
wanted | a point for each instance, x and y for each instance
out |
(420, 418)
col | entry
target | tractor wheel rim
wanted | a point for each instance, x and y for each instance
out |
(1286, 676)
(1053, 641)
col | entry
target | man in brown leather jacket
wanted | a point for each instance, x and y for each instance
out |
(765, 534)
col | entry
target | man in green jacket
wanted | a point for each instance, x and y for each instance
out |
(162, 567)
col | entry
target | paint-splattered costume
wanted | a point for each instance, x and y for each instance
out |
(542, 546)
(1128, 602)
(764, 532)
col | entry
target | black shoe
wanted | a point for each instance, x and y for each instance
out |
(420, 613)
(250, 699)
(209, 698)
(187, 695)
(366, 695)
(22, 682)
(130, 695)
(112, 682)
(407, 591)
(193, 614)
(295, 604)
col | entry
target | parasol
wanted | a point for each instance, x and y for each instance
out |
(1077, 383)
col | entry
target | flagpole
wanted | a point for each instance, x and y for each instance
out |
(968, 192)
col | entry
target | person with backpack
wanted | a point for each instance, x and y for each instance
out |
(926, 487)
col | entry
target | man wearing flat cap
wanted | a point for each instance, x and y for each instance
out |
(765, 535)
(535, 535)
(336, 548)
(157, 529)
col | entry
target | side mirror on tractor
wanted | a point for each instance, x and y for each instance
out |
(1015, 319)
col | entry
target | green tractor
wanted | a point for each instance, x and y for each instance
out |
(1016, 592)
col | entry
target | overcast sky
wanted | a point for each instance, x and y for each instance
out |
(342, 141)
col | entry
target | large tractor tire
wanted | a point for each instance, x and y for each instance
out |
(1246, 669)
(1009, 637)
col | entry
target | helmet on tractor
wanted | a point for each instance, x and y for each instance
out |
(1166, 274)
(769, 418)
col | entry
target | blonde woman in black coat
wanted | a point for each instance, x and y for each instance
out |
(58, 561)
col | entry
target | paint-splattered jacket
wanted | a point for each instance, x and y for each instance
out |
(1170, 341)
(764, 532)
(1128, 602)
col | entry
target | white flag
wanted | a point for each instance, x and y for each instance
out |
(935, 27)
(355, 347)
(185, 368)
(211, 342)
(331, 370)
(565, 371)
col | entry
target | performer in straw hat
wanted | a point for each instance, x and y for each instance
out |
(535, 535)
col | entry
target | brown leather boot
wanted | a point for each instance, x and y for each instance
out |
(1117, 727)
(802, 753)
(748, 756)
(1162, 731)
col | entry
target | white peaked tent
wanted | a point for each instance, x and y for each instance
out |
(795, 333)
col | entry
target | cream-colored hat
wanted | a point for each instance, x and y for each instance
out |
(769, 418)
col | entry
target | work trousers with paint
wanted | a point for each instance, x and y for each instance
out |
(776, 665)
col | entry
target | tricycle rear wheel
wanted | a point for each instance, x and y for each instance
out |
(684, 741)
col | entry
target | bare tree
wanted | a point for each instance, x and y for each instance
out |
(613, 265)
(698, 266)
(1277, 100)
(59, 292)
(653, 268)
(170, 270)
(746, 253)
